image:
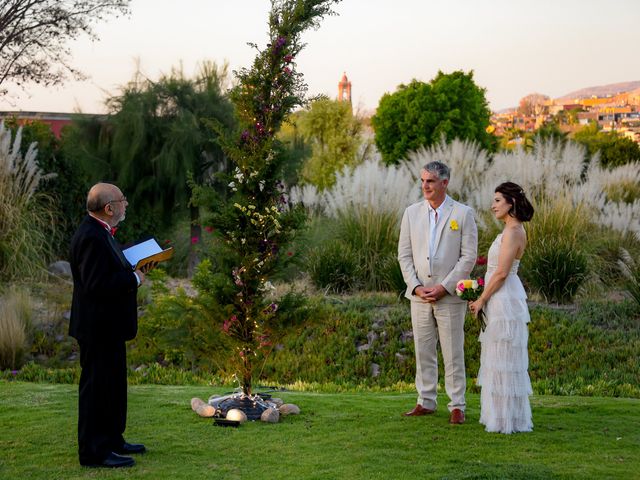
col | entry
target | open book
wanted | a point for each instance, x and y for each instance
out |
(146, 252)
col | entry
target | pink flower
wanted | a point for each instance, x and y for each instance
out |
(481, 260)
(209, 228)
(194, 240)
(481, 281)
(460, 286)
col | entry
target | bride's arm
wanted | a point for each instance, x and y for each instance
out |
(512, 239)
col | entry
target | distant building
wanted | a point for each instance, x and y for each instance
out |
(55, 120)
(344, 89)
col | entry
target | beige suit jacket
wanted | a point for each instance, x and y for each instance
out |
(456, 248)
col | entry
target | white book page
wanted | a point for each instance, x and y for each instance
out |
(141, 250)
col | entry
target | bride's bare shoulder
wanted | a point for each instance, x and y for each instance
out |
(515, 233)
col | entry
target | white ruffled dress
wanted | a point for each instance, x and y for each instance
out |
(504, 360)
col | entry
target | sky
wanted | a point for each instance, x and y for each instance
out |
(514, 47)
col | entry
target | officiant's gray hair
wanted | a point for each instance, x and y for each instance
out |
(438, 168)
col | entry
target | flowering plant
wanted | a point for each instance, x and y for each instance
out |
(453, 225)
(471, 290)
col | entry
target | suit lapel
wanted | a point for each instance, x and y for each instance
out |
(118, 252)
(442, 222)
(111, 241)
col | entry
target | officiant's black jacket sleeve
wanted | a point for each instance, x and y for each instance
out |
(104, 289)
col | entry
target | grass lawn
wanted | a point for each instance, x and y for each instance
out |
(337, 436)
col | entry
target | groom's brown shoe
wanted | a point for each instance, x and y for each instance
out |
(418, 411)
(457, 416)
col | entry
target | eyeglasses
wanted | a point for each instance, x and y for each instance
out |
(123, 199)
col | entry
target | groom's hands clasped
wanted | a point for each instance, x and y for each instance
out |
(431, 294)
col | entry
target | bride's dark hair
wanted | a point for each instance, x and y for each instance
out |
(521, 208)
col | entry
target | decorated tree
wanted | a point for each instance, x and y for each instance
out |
(254, 222)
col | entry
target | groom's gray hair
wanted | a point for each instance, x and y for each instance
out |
(438, 168)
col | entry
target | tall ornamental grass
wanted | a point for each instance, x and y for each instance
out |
(15, 319)
(631, 271)
(582, 209)
(24, 222)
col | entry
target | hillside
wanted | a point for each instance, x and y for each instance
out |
(602, 90)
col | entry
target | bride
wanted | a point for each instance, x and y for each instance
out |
(503, 375)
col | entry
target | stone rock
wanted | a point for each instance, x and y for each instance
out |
(206, 411)
(237, 415)
(363, 348)
(270, 415)
(378, 324)
(400, 357)
(60, 268)
(375, 370)
(371, 337)
(289, 409)
(276, 401)
(407, 336)
(196, 403)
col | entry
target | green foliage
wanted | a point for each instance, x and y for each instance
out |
(623, 192)
(158, 135)
(614, 150)
(64, 188)
(591, 351)
(420, 114)
(334, 267)
(630, 268)
(555, 269)
(256, 222)
(295, 149)
(334, 134)
(374, 236)
(358, 249)
(26, 215)
(555, 263)
(14, 322)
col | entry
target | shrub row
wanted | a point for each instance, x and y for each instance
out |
(365, 341)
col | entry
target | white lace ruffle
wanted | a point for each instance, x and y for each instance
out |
(504, 361)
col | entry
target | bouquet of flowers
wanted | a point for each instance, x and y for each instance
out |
(470, 290)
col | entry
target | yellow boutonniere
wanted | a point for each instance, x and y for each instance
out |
(453, 225)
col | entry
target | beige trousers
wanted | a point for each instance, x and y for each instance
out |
(444, 322)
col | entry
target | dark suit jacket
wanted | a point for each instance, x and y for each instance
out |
(104, 287)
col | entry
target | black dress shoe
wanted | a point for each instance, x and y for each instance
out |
(113, 460)
(129, 448)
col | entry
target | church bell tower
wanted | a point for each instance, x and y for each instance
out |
(344, 89)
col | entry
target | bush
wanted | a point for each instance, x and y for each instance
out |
(373, 237)
(555, 268)
(15, 317)
(334, 266)
(24, 223)
(631, 270)
(555, 263)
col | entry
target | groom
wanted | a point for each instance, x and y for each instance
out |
(437, 248)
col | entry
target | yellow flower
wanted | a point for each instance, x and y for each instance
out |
(453, 225)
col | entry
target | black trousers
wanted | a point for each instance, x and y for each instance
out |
(102, 405)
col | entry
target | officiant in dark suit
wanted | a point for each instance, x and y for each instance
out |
(103, 318)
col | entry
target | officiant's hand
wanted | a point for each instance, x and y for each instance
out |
(140, 275)
(149, 266)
